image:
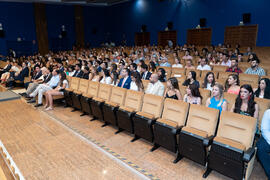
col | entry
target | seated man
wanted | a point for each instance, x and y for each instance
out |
(145, 75)
(203, 65)
(125, 80)
(42, 88)
(164, 62)
(37, 74)
(155, 87)
(255, 69)
(6, 68)
(263, 144)
(234, 67)
(225, 61)
(18, 76)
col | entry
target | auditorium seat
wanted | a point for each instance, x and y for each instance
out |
(168, 71)
(230, 98)
(198, 72)
(178, 72)
(248, 78)
(126, 112)
(74, 85)
(145, 83)
(97, 103)
(182, 89)
(231, 152)
(263, 105)
(77, 94)
(203, 74)
(144, 119)
(181, 79)
(197, 135)
(220, 68)
(111, 106)
(224, 75)
(205, 93)
(169, 125)
(93, 88)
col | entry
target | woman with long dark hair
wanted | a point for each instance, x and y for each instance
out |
(105, 75)
(136, 82)
(244, 103)
(263, 90)
(161, 75)
(209, 81)
(63, 83)
(232, 84)
(152, 67)
(193, 95)
(172, 90)
(191, 79)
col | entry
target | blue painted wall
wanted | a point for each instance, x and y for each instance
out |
(185, 14)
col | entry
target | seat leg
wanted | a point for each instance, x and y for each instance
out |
(105, 124)
(74, 110)
(119, 130)
(83, 114)
(207, 172)
(94, 118)
(135, 138)
(178, 158)
(156, 146)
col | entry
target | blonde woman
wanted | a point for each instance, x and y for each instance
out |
(217, 101)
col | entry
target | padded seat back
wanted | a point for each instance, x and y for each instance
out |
(230, 98)
(237, 127)
(118, 95)
(203, 118)
(145, 83)
(263, 104)
(69, 78)
(181, 79)
(93, 88)
(83, 87)
(104, 91)
(75, 83)
(204, 72)
(178, 72)
(249, 78)
(198, 72)
(152, 104)
(176, 111)
(220, 68)
(224, 75)
(205, 93)
(134, 100)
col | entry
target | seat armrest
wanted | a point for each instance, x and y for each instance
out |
(152, 121)
(248, 155)
(207, 141)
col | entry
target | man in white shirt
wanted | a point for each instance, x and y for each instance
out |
(203, 65)
(263, 144)
(225, 60)
(155, 87)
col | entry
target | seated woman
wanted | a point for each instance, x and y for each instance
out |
(172, 90)
(161, 75)
(244, 103)
(105, 75)
(191, 79)
(114, 75)
(217, 101)
(94, 76)
(152, 67)
(136, 83)
(232, 84)
(193, 95)
(177, 63)
(209, 81)
(63, 83)
(14, 69)
(263, 90)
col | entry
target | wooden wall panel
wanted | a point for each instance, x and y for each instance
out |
(79, 26)
(142, 38)
(164, 36)
(199, 37)
(41, 28)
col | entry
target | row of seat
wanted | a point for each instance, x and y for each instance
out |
(175, 125)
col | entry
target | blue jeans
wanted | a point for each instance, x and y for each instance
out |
(263, 154)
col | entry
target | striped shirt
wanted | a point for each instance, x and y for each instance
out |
(258, 71)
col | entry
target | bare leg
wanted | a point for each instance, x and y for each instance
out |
(50, 96)
(46, 98)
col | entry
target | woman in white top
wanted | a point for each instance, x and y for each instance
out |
(63, 83)
(263, 90)
(136, 83)
(177, 63)
(94, 76)
(193, 95)
(105, 75)
(209, 81)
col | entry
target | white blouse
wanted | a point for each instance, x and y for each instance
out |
(133, 86)
(106, 80)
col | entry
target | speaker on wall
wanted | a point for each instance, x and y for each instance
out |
(63, 34)
(170, 25)
(203, 22)
(143, 28)
(246, 18)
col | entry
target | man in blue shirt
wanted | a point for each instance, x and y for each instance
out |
(164, 62)
(126, 80)
(42, 88)
(263, 144)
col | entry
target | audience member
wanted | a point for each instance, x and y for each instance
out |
(193, 95)
(209, 81)
(155, 86)
(145, 74)
(105, 75)
(136, 83)
(255, 69)
(234, 67)
(203, 65)
(161, 75)
(217, 101)
(232, 84)
(172, 90)
(177, 63)
(191, 79)
(263, 90)
(125, 80)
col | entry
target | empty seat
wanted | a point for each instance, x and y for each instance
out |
(97, 103)
(205, 93)
(111, 106)
(77, 94)
(92, 91)
(169, 125)
(263, 104)
(249, 78)
(197, 135)
(230, 98)
(220, 68)
(178, 72)
(231, 152)
(74, 85)
(126, 112)
(144, 119)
